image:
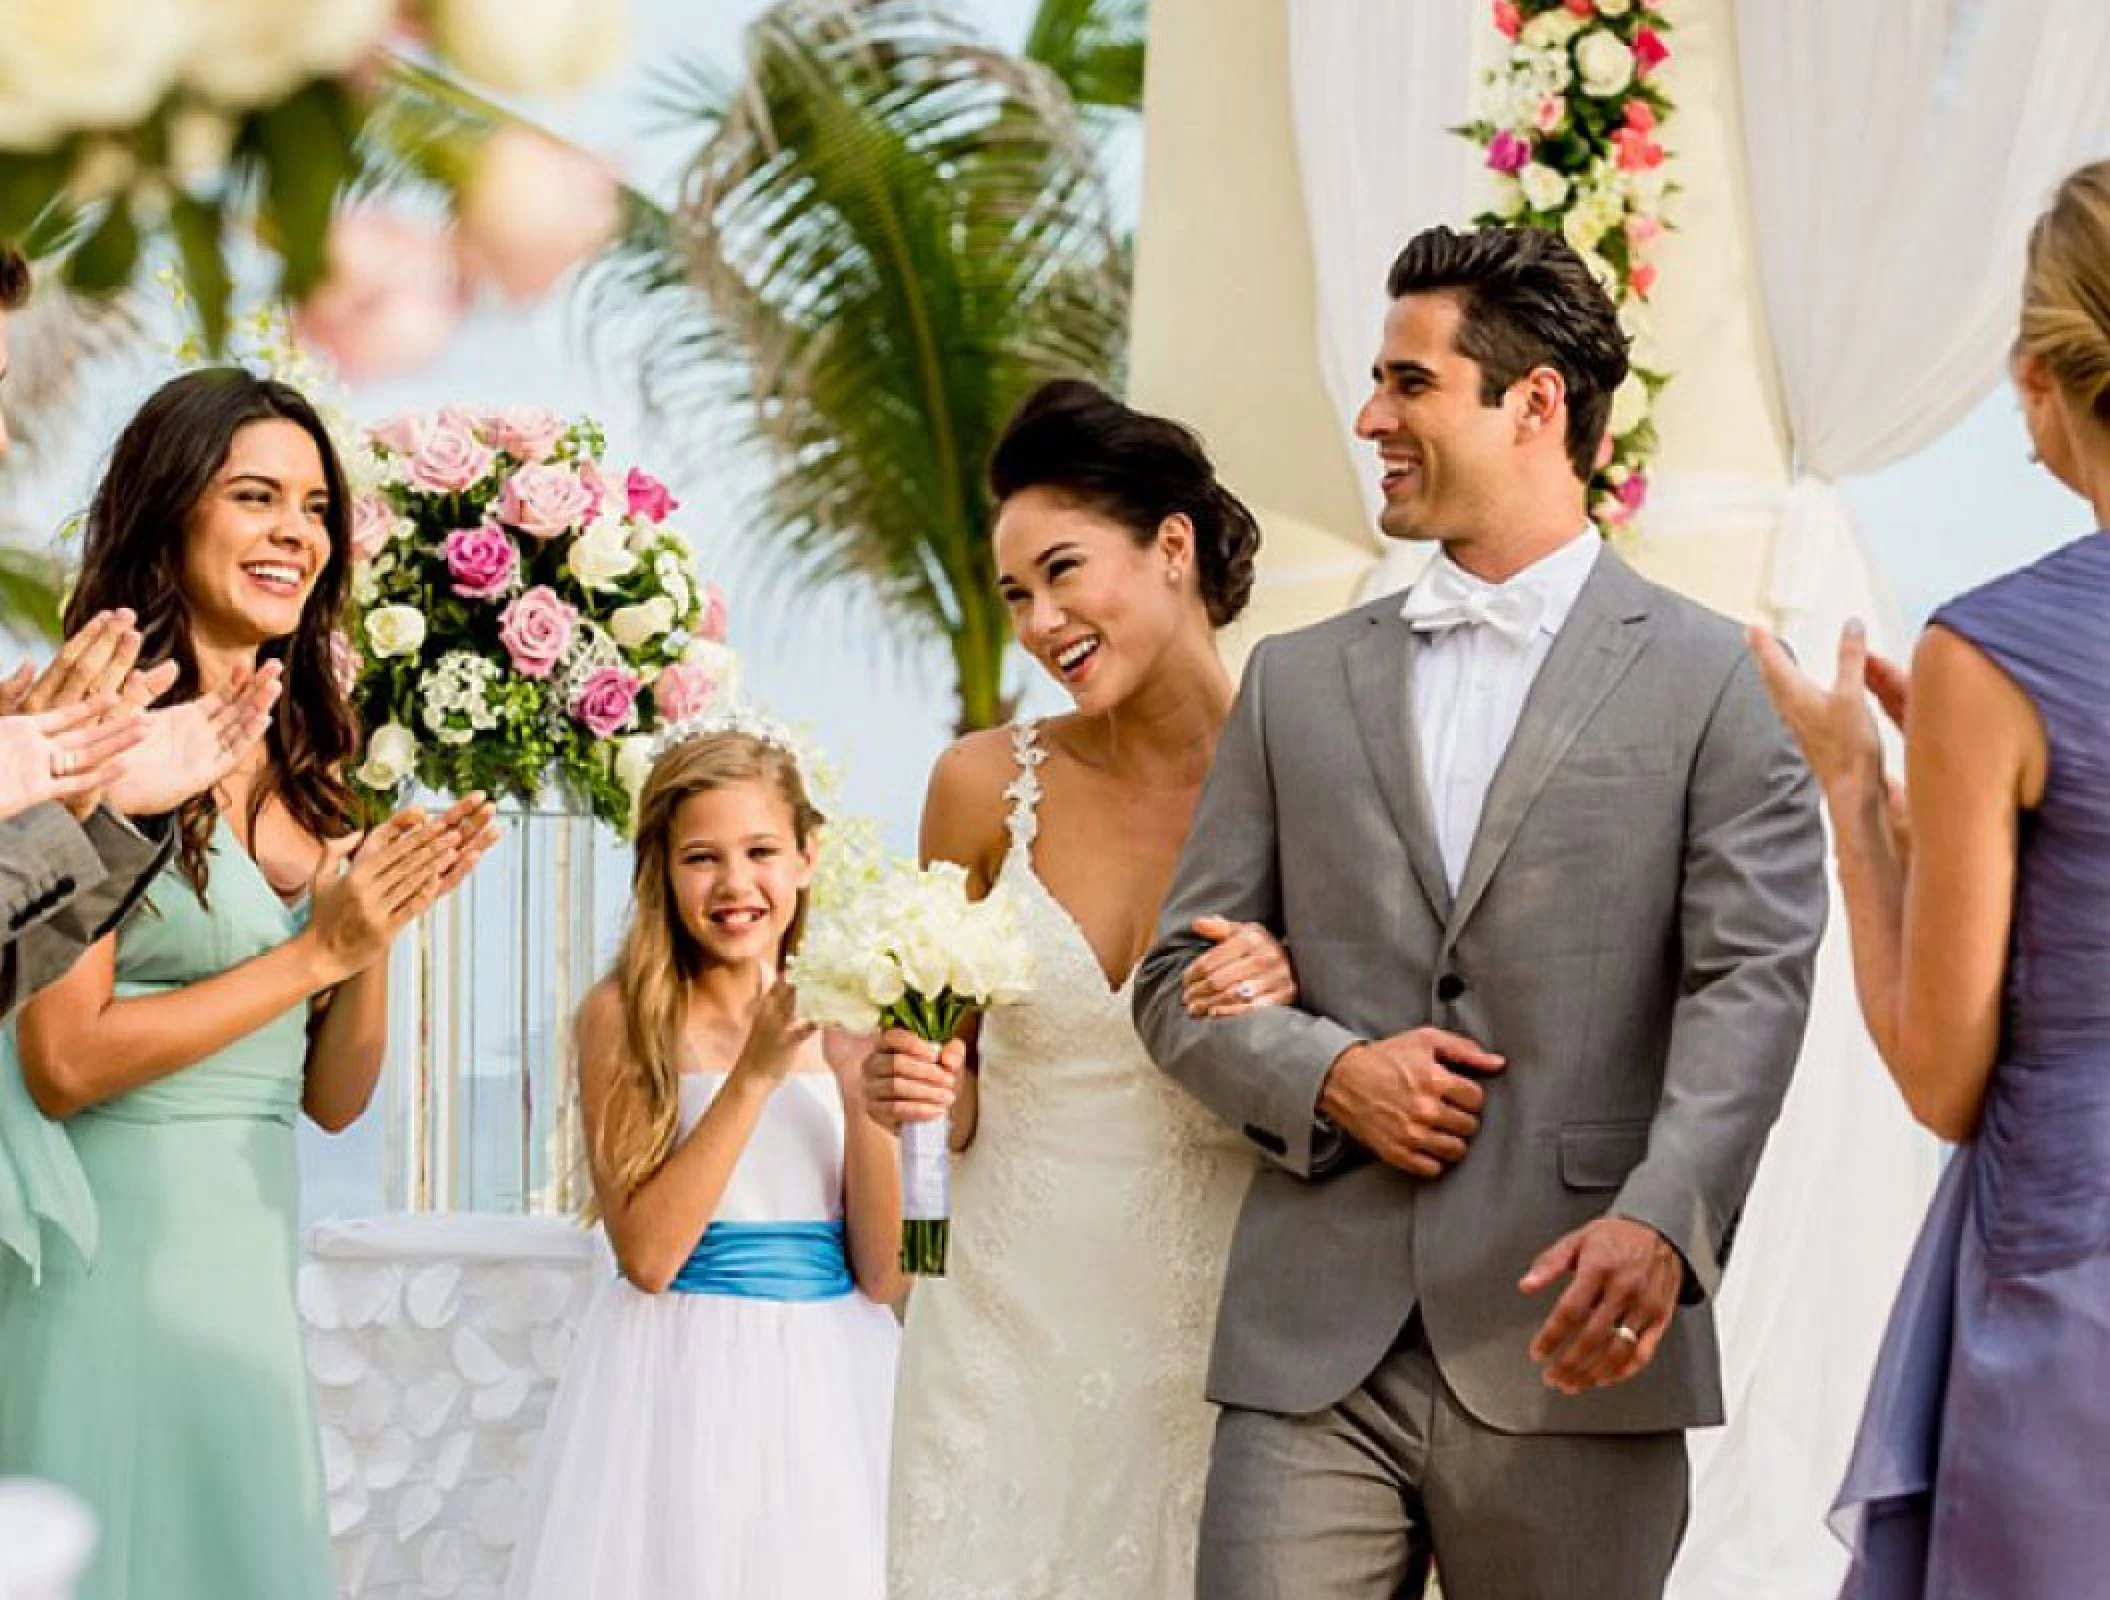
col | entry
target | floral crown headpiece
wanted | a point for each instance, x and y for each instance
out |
(731, 716)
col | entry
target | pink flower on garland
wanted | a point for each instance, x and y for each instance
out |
(1509, 21)
(1642, 231)
(1641, 116)
(1641, 278)
(604, 700)
(648, 496)
(1635, 151)
(1552, 112)
(1582, 8)
(1633, 494)
(1508, 152)
(1650, 52)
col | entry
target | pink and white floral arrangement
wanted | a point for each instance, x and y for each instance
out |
(522, 619)
(1571, 122)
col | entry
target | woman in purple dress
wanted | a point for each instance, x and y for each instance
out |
(1979, 905)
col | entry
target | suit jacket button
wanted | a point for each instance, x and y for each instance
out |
(1272, 1143)
(1449, 987)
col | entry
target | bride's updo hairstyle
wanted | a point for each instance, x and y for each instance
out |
(1075, 441)
(2066, 291)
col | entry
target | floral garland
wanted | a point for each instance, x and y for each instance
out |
(1570, 123)
(522, 618)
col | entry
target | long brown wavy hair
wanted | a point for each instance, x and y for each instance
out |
(659, 958)
(132, 555)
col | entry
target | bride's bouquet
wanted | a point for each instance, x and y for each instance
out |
(910, 950)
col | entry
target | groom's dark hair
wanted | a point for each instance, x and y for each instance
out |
(1525, 300)
(14, 278)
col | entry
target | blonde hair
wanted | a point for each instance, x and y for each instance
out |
(2066, 290)
(659, 957)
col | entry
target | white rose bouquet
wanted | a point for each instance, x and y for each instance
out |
(896, 948)
(520, 619)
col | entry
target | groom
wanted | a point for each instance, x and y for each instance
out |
(1552, 876)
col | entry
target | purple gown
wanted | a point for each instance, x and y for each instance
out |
(1982, 1469)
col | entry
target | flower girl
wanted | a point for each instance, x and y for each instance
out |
(721, 1431)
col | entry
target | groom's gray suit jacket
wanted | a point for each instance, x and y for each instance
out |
(63, 885)
(1634, 930)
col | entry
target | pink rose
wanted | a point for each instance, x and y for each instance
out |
(683, 690)
(526, 433)
(374, 523)
(1642, 231)
(605, 699)
(1582, 8)
(1650, 51)
(596, 485)
(536, 630)
(344, 660)
(1641, 116)
(449, 457)
(544, 501)
(712, 623)
(1637, 152)
(399, 433)
(1509, 21)
(648, 496)
(1633, 494)
(482, 561)
(1507, 152)
(391, 298)
(1642, 278)
(1552, 112)
(531, 209)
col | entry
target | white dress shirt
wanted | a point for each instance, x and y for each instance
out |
(1480, 647)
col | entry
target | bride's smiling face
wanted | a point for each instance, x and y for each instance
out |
(1095, 606)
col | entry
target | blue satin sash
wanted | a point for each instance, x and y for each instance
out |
(768, 1261)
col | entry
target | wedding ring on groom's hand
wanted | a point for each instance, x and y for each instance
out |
(1625, 1335)
(1244, 990)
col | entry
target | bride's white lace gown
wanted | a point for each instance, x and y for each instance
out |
(1051, 1439)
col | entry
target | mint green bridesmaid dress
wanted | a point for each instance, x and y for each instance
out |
(150, 1352)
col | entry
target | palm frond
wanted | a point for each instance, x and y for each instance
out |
(889, 234)
(1095, 47)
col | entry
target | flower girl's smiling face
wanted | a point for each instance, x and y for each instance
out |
(1092, 603)
(737, 870)
(257, 537)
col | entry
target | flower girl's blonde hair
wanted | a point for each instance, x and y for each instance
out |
(659, 957)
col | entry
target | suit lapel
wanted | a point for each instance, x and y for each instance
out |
(1603, 634)
(1379, 662)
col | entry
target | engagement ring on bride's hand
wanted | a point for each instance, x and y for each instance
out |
(1625, 1334)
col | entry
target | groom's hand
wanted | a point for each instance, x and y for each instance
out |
(1622, 1293)
(1401, 1099)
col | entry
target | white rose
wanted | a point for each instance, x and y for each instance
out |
(86, 64)
(532, 47)
(1629, 406)
(1605, 63)
(883, 983)
(633, 764)
(926, 965)
(391, 756)
(1506, 195)
(244, 53)
(720, 663)
(395, 631)
(1614, 8)
(600, 558)
(1542, 186)
(1550, 29)
(638, 624)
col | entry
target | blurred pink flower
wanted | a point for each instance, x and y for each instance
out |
(648, 497)
(1642, 231)
(1635, 150)
(1509, 21)
(344, 660)
(1633, 494)
(533, 208)
(1552, 112)
(596, 485)
(1582, 8)
(526, 433)
(481, 560)
(1650, 51)
(712, 624)
(545, 501)
(390, 300)
(1508, 152)
(536, 630)
(399, 433)
(604, 700)
(1641, 277)
(374, 523)
(1641, 116)
(682, 690)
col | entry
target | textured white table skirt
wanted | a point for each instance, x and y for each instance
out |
(435, 1343)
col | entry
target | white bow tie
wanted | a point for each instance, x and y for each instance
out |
(1445, 598)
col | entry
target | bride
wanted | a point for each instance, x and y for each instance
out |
(1051, 1438)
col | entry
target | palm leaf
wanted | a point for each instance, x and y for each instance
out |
(889, 234)
(1095, 47)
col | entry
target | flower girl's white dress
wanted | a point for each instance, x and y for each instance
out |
(727, 1440)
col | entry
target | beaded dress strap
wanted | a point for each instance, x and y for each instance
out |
(1024, 790)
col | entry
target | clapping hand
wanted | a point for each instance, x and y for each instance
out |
(363, 899)
(184, 750)
(1622, 1293)
(67, 755)
(1245, 969)
(775, 1037)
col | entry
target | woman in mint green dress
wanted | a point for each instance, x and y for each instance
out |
(152, 1357)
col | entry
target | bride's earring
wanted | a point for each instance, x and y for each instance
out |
(1173, 574)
